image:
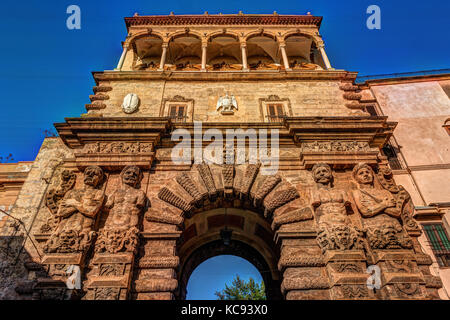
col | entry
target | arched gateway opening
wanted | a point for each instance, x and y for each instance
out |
(230, 209)
(250, 238)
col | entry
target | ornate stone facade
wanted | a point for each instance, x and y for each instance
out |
(137, 223)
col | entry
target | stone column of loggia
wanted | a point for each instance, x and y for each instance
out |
(163, 56)
(244, 56)
(284, 55)
(324, 56)
(122, 58)
(204, 51)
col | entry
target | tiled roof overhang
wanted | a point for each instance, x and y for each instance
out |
(224, 20)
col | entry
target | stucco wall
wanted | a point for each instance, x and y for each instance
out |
(421, 109)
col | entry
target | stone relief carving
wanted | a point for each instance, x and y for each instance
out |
(130, 103)
(372, 201)
(77, 214)
(54, 197)
(379, 208)
(280, 198)
(319, 146)
(228, 178)
(227, 103)
(118, 147)
(266, 193)
(402, 199)
(330, 206)
(354, 291)
(106, 293)
(125, 204)
(340, 237)
(387, 233)
(111, 269)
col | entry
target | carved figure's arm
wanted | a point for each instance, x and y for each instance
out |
(110, 202)
(364, 209)
(346, 198)
(91, 207)
(66, 209)
(141, 199)
(315, 199)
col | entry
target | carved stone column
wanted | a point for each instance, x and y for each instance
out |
(204, 51)
(284, 55)
(244, 56)
(122, 58)
(163, 56)
(321, 48)
(111, 276)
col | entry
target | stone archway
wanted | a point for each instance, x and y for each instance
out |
(243, 186)
(253, 201)
(236, 248)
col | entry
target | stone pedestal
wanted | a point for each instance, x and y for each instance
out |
(111, 276)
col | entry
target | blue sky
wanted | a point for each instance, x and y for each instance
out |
(215, 273)
(45, 72)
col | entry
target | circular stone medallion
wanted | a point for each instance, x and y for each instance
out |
(130, 103)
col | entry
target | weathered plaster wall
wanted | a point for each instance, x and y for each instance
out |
(421, 109)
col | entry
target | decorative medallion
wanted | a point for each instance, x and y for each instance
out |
(130, 103)
(227, 103)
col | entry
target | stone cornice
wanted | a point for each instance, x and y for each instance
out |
(221, 19)
(405, 79)
(224, 75)
(113, 142)
(374, 130)
(76, 132)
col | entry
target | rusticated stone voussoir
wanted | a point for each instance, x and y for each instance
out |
(304, 283)
(159, 262)
(301, 261)
(156, 285)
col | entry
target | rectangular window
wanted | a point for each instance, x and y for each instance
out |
(440, 243)
(372, 110)
(177, 113)
(275, 112)
(391, 154)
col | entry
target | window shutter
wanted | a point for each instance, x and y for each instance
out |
(173, 111)
(271, 110)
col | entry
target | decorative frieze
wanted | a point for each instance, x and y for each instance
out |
(118, 147)
(340, 146)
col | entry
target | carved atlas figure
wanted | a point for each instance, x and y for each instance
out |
(335, 231)
(76, 215)
(379, 209)
(125, 204)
